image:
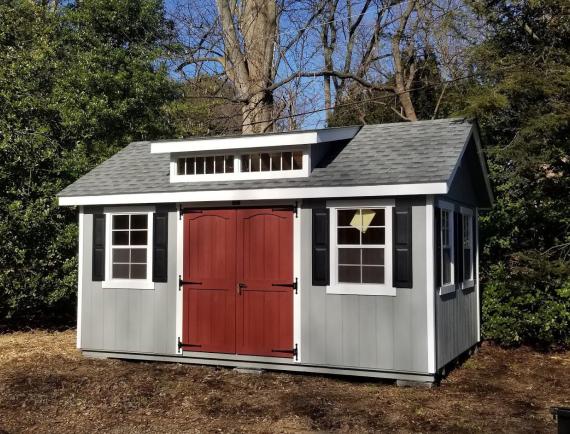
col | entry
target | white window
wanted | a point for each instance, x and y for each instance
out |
(128, 254)
(446, 252)
(361, 249)
(467, 247)
(240, 165)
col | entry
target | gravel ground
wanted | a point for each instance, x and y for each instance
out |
(47, 386)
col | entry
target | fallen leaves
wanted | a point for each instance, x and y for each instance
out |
(46, 385)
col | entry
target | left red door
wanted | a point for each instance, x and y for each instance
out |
(209, 262)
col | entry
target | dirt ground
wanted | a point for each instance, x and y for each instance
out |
(47, 386)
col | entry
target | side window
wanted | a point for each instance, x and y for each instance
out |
(129, 246)
(361, 244)
(446, 254)
(467, 245)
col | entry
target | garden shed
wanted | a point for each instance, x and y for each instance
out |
(348, 250)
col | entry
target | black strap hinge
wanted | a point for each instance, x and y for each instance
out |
(293, 351)
(182, 344)
(293, 285)
(182, 211)
(186, 282)
(293, 208)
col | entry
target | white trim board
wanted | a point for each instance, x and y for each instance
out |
(80, 276)
(257, 141)
(297, 252)
(430, 284)
(179, 274)
(258, 194)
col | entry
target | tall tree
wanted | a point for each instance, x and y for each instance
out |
(264, 46)
(523, 103)
(249, 32)
(204, 108)
(77, 82)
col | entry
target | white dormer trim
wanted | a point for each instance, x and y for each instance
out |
(295, 138)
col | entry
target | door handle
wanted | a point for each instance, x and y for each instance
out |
(240, 286)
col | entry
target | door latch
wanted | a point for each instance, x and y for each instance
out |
(240, 287)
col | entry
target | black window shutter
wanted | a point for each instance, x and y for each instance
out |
(402, 247)
(458, 247)
(437, 253)
(98, 253)
(321, 247)
(160, 247)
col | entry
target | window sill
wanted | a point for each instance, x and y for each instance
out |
(364, 289)
(468, 284)
(447, 289)
(127, 284)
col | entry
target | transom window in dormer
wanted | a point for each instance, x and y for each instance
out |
(206, 165)
(272, 162)
(240, 165)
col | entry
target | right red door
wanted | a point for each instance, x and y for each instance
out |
(264, 314)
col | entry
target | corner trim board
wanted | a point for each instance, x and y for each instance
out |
(179, 272)
(430, 284)
(80, 276)
(477, 289)
(258, 194)
(297, 251)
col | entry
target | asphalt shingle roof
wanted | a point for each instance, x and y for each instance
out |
(398, 153)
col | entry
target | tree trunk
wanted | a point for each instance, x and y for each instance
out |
(257, 114)
(403, 80)
(249, 32)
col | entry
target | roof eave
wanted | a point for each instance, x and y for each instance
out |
(434, 188)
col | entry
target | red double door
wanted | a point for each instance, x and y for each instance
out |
(237, 263)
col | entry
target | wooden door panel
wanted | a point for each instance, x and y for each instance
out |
(264, 258)
(266, 323)
(266, 246)
(209, 261)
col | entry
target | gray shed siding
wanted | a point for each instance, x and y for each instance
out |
(456, 324)
(456, 313)
(128, 320)
(381, 332)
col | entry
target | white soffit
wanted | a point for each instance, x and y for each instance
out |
(295, 138)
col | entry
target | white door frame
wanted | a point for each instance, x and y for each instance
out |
(296, 267)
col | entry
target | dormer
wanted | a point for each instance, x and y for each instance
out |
(250, 157)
